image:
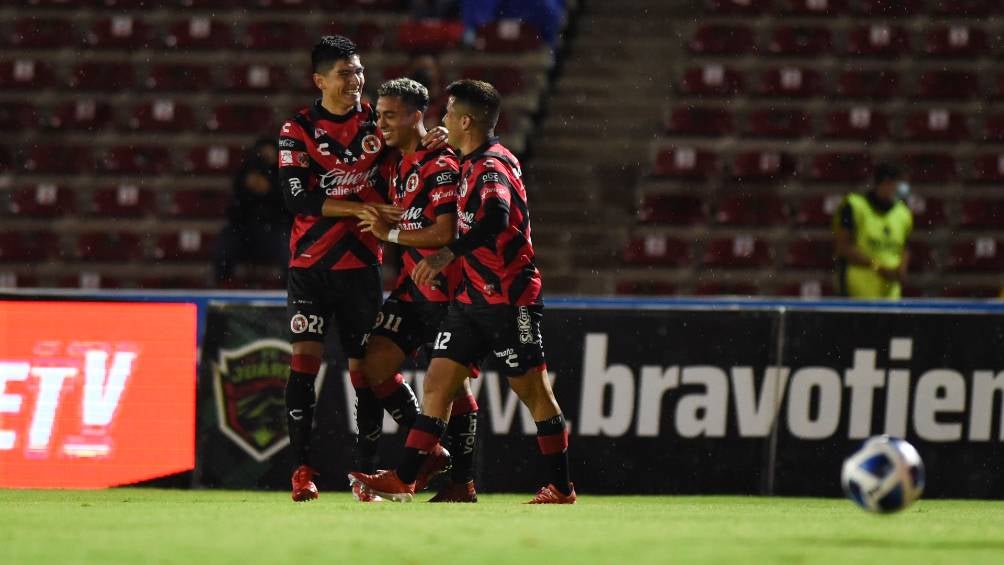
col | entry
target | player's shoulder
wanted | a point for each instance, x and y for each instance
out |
(440, 159)
(294, 125)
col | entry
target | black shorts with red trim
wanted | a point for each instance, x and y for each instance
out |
(410, 325)
(507, 335)
(348, 298)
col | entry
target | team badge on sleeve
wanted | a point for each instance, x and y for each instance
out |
(371, 144)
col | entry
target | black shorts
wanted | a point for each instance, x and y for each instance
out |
(507, 334)
(349, 298)
(410, 325)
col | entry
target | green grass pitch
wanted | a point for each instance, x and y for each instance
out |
(192, 527)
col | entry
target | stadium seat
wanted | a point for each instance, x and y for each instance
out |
(817, 211)
(842, 167)
(869, 85)
(18, 116)
(135, 160)
(887, 8)
(819, 8)
(658, 250)
(980, 254)
(115, 246)
(947, 85)
(860, 123)
(170, 77)
(956, 41)
(645, 288)
(162, 114)
(672, 209)
(507, 36)
(285, 4)
(791, 82)
(993, 128)
(712, 80)
(800, 41)
(929, 168)
(14, 280)
(213, 159)
(753, 210)
(25, 74)
(103, 77)
(123, 201)
(199, 203)
(82, 115)
(737, 7)
(43, 33)
(935, 125)
(988, 168)
(783, 123)
(685, 162)
(119, 32)
(809, 288)
(241, 118)
(928, 212)
(44, 200)
(199, 32)
(185, 245)
(719, 39)
(962, 8)
(57, 158)
(717, 288)
(173, 282)
(432, 36)
(379, 5)
(921, 256)
(278, 36)
(506, 78)
(878, 41)
(257, 78)
(963, 290)
(761, 166)
(89, 280)
(28, 246)
(713, 121)
(739, 252)
(207, 4)
(806, 253)
(982, 213)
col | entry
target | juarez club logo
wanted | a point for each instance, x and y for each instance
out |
(250, 384)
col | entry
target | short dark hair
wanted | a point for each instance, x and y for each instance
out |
(886, 172)
(329, 50)
(481, 97)
(411, 92)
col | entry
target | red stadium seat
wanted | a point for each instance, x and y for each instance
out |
(930, 168)
(173, 282)
(817, 211)
(982, 213)
(947, 85)
(993, 128)
(761, 166)
(278, 36)
(921, 256)
(213, 159)
(14, 280)
(241, 118)
(18, 116)
(105, 77)
(257, 78)
(25, 74)
(207, 4)
(686, 162)
(120, 32)
(970, 291)
(645, 288)
(507, 79)
(871, 85)
(936, 125)
(431, 36)
(716, 288)
(286, 4)
(740, 252)
(135, 160)
(658, 250)
(123, 201)
(800, 41)
(737, 7)
(172, 77)
(90, 280)
(199, 32)
(712, 80)
(808, 289)
(83, 114)
(199, 203)
(44, 200)
(109, 246)
(928, 212)
(843, 167)
(988, 168)
(887, 8)
(791, 82)
(711, 121)
(43, 33)
(962, 8)
(162, 114)
(672, 209)
(878, 40)
(28, 246)
(380, 5)
(956, 41)
(185, 245)
(980, 254)
(718, 39)
(57, 159)
(809, 253)
(507, 36)
(823, 8)
(858, 123)
(784, 123)
(764, 210)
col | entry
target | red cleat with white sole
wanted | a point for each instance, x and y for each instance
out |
(456, 492)
(385, 484)
(551, 495)
(362, 494)
(437, 462)
(303, 484)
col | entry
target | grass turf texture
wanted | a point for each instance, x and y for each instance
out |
(175, 526)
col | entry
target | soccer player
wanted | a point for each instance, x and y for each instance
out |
(332, 169)
(424, 185)
(498, 307)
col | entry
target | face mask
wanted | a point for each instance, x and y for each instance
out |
(903, 190)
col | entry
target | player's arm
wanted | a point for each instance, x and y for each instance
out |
(843, 234)
(436, 235)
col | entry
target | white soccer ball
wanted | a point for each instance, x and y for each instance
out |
(885, 475)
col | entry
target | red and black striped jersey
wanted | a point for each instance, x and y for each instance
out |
(501, 271)
(424, 185)
(326, 155)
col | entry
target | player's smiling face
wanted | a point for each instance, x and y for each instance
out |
(452, 119)
(396, 121)
(343, 84)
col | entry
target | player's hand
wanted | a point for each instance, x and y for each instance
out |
(388, 212)
(436, 138)
(426, 271)
(893, 275)
(375, 226)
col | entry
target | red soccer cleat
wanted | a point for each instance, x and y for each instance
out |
(456, 492)
(385, 484)
(436, 463)
(362, 494)
(551, 495)
(303, 484)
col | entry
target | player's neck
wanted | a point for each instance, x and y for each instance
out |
(471, 142)
(337, 108)
(415, 142)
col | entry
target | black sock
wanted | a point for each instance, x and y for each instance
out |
(552, 438)
(369, 419)
(300, 401)
(422, 438)
(399, 401)
(462, 430)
